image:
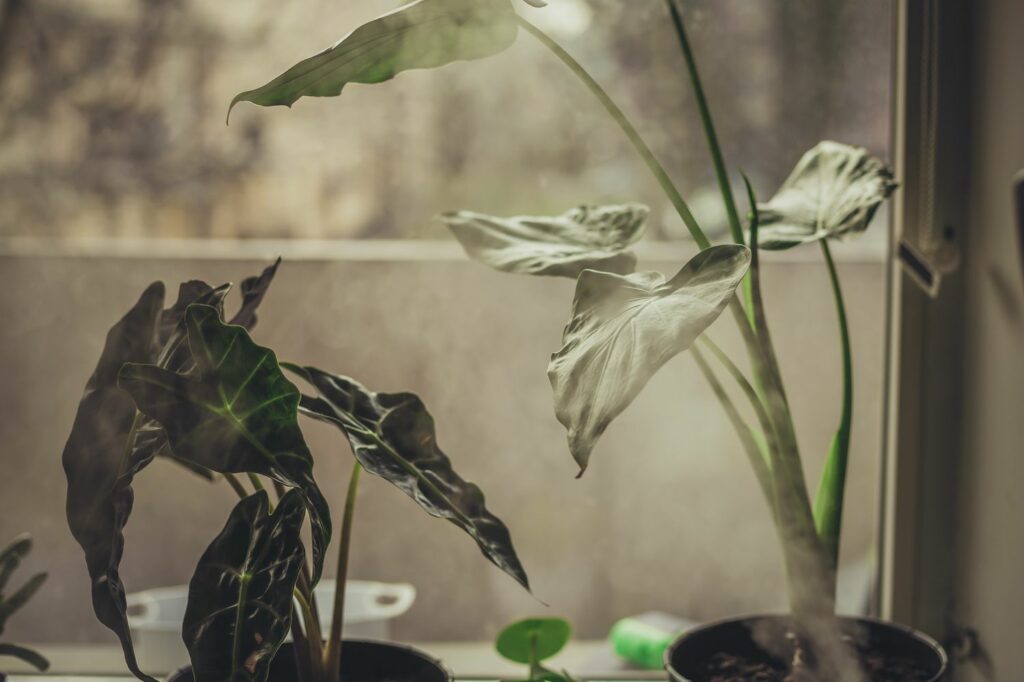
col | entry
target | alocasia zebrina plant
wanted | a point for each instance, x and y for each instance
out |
(183, 383)
(626, 325)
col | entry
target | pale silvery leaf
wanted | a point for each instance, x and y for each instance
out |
(833, 192)
(587, 237)
(624, 328)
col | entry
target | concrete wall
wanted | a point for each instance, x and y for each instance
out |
(989, 594)
(667, 517)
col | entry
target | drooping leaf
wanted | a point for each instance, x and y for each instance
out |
(237, 413)
(392, 435)
(587, 237)
(421, 35)
(100, 464)
(240, 597)
(533, 639)
(33, 658)
(624, 328)
(833, 192)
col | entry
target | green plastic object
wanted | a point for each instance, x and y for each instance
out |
(642, 640)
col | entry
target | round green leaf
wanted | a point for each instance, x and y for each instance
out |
(548, 637)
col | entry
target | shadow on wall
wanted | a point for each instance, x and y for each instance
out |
(668, 517)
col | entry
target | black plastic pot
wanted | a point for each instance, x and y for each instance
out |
(362, 660)
(686, 659)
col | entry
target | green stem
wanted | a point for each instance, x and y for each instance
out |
(707, 123)
(344, 541)
(628, 128)
(828, 503)
(236, 485)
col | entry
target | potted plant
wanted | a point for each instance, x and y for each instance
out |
(183, 383)
(10, 559)
(625, 325)
(532, 641)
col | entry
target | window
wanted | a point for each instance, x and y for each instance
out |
(112, 129)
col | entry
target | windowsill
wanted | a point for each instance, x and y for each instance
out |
(859, 251)
(590, 659)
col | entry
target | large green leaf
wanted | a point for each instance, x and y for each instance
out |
(833, 192)
(587, 237)
(100, 464)
(392, 435)
(421, 35)
(236, 414)
(240, 598)
(624, 328)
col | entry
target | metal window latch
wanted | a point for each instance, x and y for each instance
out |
(1018, 191)
(963, 646)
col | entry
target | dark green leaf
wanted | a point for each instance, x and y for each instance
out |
(833, 192)
(624, 328)
(587, 237)
(421, 35)
(240, 598)
(392, 435)
(33, 658)
(100, 464)
(10, 558)
(534, 639)
(236, 414)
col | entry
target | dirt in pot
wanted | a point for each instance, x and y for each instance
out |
(724, 667)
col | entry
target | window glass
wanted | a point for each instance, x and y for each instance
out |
(112, 130)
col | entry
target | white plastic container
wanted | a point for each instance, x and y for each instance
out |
(155, 616)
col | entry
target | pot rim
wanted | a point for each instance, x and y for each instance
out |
(408, 648)
(931, 642)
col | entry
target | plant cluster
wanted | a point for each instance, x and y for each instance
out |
(188, 383)
(625, 325)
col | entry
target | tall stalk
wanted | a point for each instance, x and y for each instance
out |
(333, 653)
(810, 578)
(828, 503)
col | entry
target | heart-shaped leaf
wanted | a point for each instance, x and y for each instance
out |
(240, 598)
(392, 435)
(421, 35)
(100, 463)
(834, 191)
(587, 237)
(236, 414)
(624, 328)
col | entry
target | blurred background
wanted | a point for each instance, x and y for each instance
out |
(112, 133)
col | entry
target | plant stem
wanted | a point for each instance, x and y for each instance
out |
(628, 128)
(828, 503)
(333, 653)
(236, 485)
(707, 123)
